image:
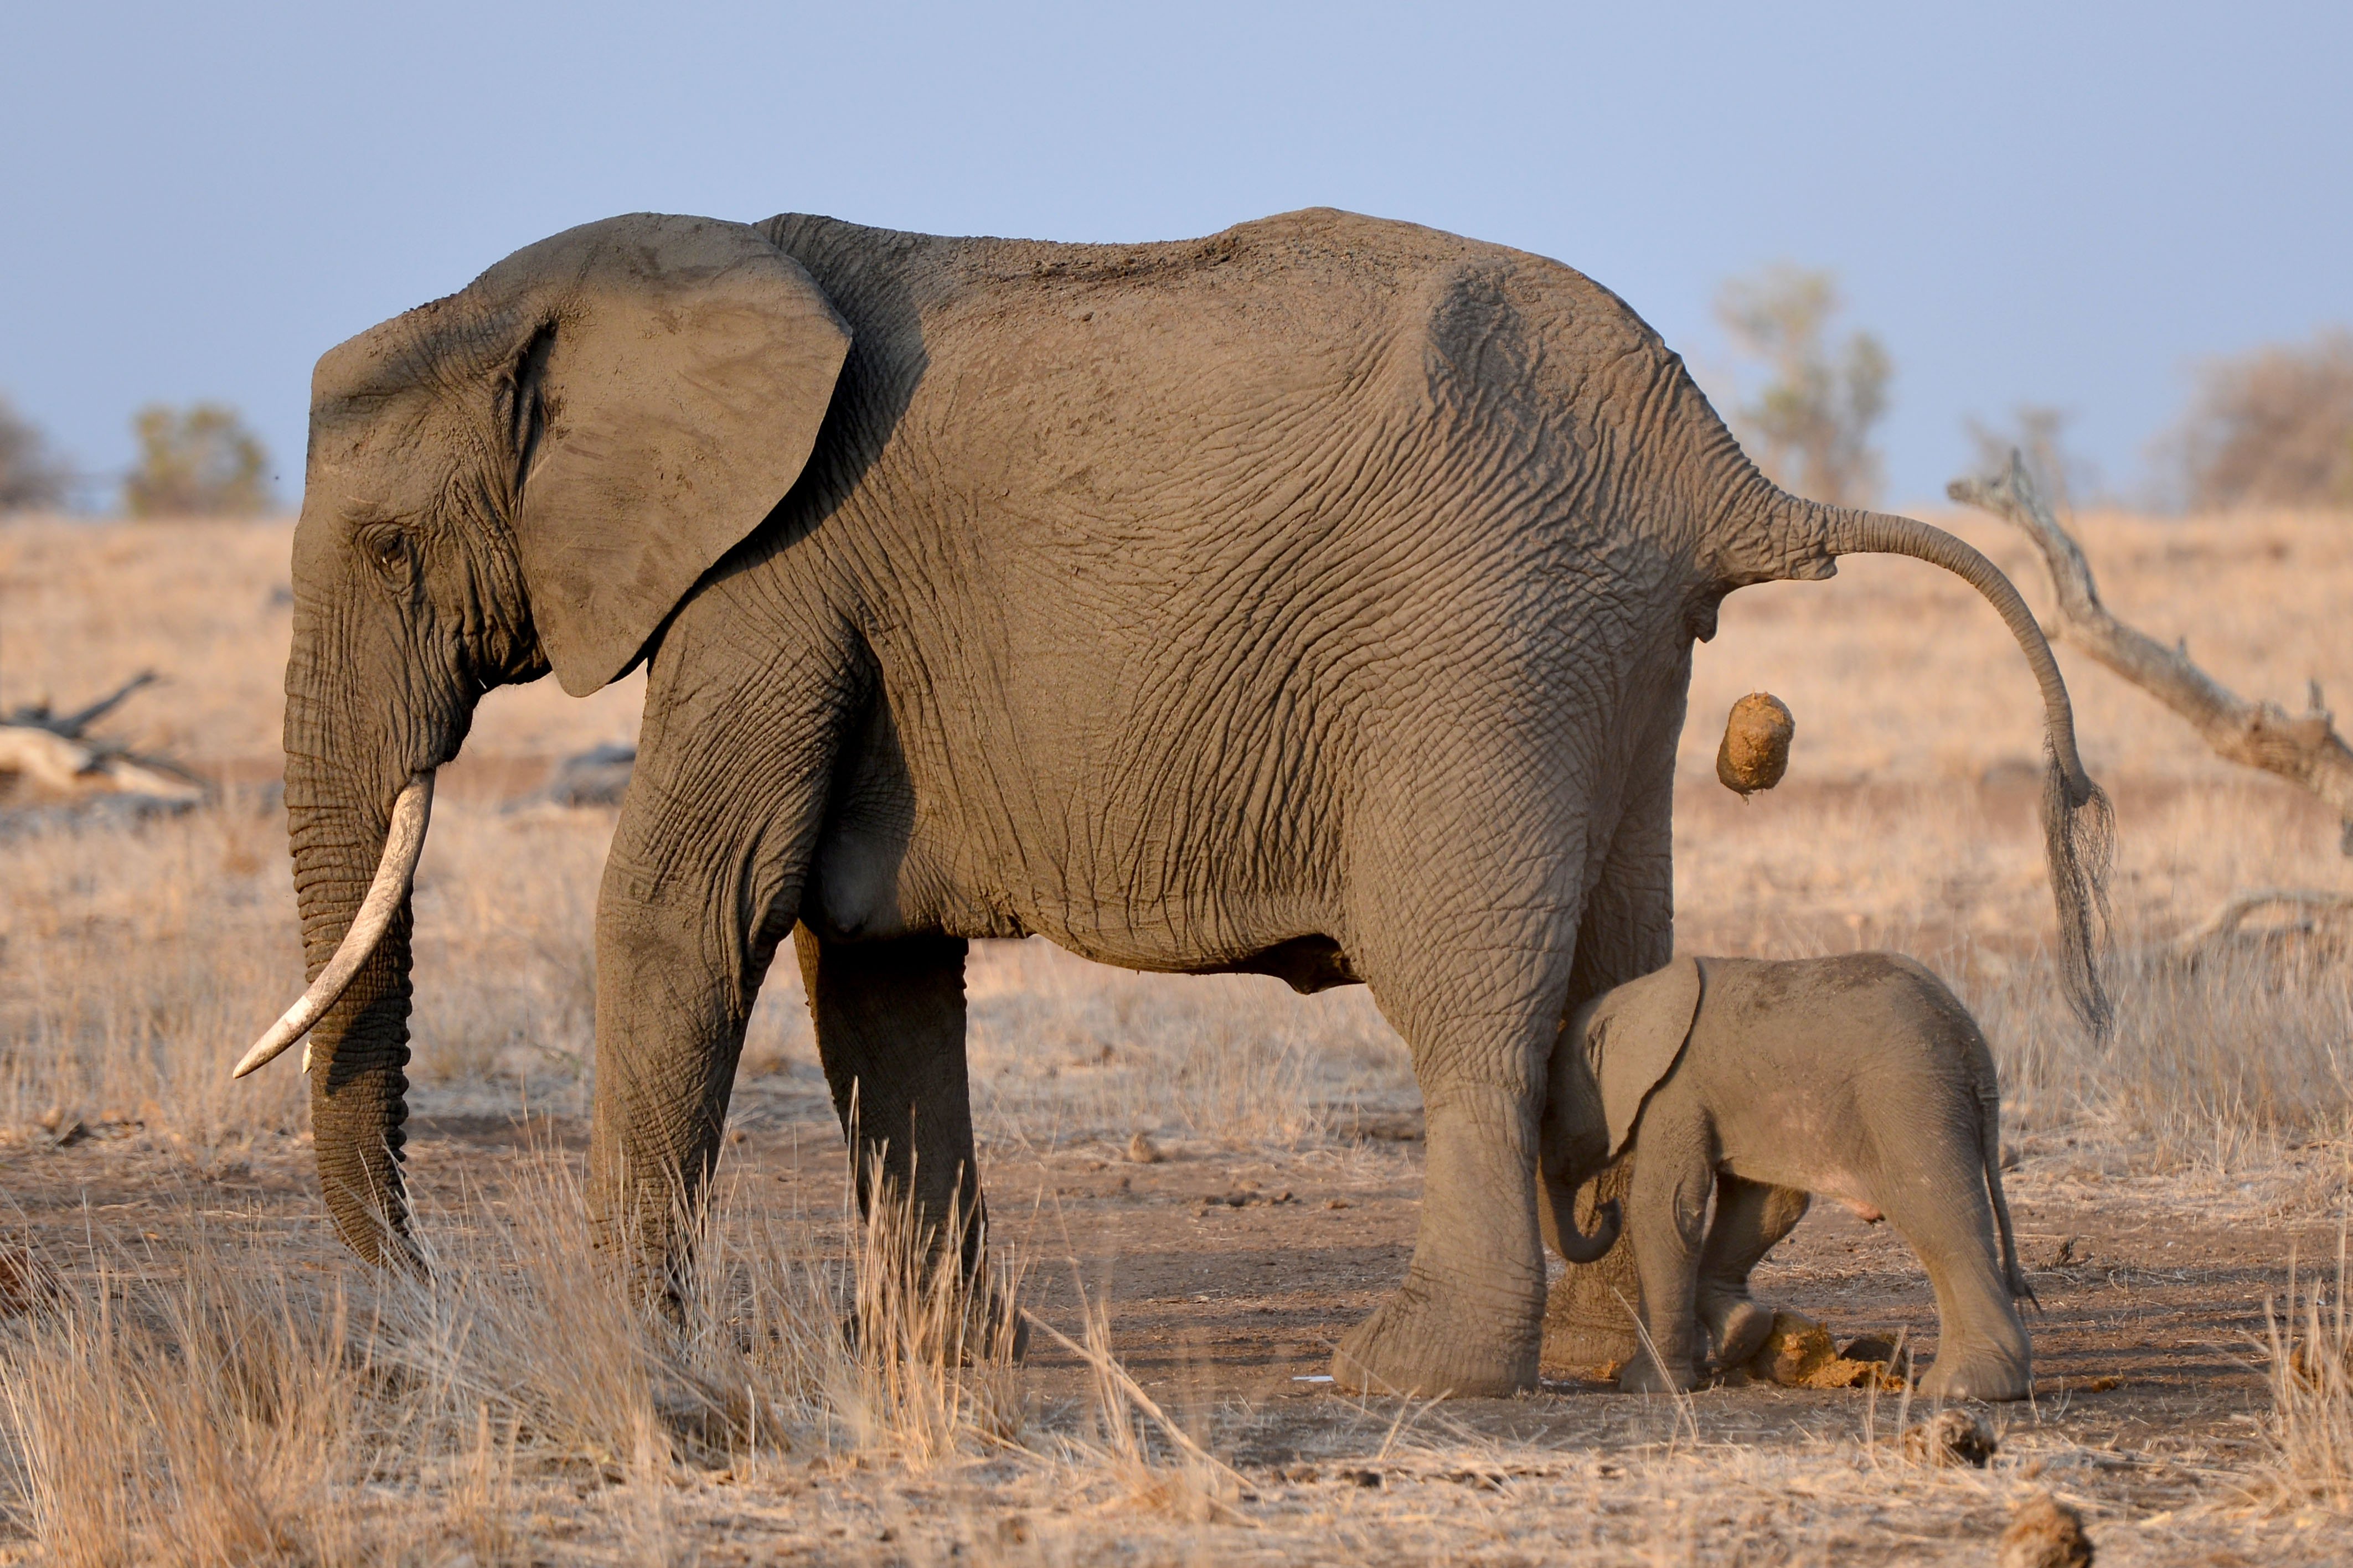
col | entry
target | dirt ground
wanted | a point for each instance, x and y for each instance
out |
(1229, 1272)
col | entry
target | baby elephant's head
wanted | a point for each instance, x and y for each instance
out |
(1613, 1052)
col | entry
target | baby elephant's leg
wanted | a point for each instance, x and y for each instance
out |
(1751, 1218)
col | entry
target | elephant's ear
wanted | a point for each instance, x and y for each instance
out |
(670, 378)
(1635, 1037)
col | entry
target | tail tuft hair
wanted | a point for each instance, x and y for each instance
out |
(2079, 837)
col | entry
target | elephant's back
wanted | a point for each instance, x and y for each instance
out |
(1318, 375)
(1865, 1030)
(1315, 285)
(1313, 250)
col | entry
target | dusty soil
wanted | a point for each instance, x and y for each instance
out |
(1229, 1271)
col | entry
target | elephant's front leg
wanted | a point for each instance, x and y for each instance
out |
(1666, 1215)
(891, 1030)
(675, 983)
(705, 876)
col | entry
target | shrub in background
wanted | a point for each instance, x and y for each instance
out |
(201, 461)
(31, 477)
(2272, 427)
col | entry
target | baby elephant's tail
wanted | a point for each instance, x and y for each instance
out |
(1990, 1156)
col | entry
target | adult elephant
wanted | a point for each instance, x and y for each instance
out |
(1312, 600)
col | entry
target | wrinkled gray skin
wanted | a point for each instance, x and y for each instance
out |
(1314, 600)
(1859, 1077)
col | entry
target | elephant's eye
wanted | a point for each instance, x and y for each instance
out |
(387, 549)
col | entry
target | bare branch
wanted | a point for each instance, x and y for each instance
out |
(71, 725)
(2305, 750)
(2318, 908)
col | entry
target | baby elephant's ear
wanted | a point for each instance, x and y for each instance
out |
(668, 382)
(1635, 1038)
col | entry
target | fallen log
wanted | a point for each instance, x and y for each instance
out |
(55, 753)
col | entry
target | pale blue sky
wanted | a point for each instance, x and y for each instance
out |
(2058, 204)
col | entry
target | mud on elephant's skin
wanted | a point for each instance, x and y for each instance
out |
(1316, 599)
(1860, 1077)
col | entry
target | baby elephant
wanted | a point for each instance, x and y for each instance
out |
(1861, 1078)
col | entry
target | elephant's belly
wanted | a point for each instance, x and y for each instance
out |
(1833, 1183)
(872, 885)
(1795, 1139)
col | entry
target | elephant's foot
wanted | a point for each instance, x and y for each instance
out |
(1642, 1374)
(1739, 1328)
(1411, 1345)
(1978, 1371)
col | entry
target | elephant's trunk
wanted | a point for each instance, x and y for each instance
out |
(1572, 1145)
(353, 853)
(1557, 1214)
(2078, 825)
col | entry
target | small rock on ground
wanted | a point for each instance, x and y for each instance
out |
(2044, 1534)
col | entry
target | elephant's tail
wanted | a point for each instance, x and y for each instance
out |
(1989, 1156)
(2078, 824)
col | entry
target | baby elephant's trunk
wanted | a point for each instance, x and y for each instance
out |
(1557, 1213)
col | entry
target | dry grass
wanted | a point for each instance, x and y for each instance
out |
(2308, 1357)
(230, 1392)
(214, 1406)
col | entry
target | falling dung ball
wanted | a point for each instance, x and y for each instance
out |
(1755, 749)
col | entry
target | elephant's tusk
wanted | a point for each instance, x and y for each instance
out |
(403, 843)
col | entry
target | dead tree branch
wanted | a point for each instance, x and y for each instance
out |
(71, 725)
(2306, 749)
(2317, 909)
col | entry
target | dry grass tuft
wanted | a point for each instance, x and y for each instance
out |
(2309, 1346)
(203, 1419)
(932, 1376)
(215, 1407)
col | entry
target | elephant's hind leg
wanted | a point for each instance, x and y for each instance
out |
(1468, 1319)
(1751, 1219)
(1982, 1350)
(890, 1020)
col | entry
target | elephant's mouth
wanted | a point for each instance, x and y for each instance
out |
(403, 843)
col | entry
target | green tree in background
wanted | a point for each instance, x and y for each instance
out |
(31, 479)
(1810, 427)
(201, 461)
